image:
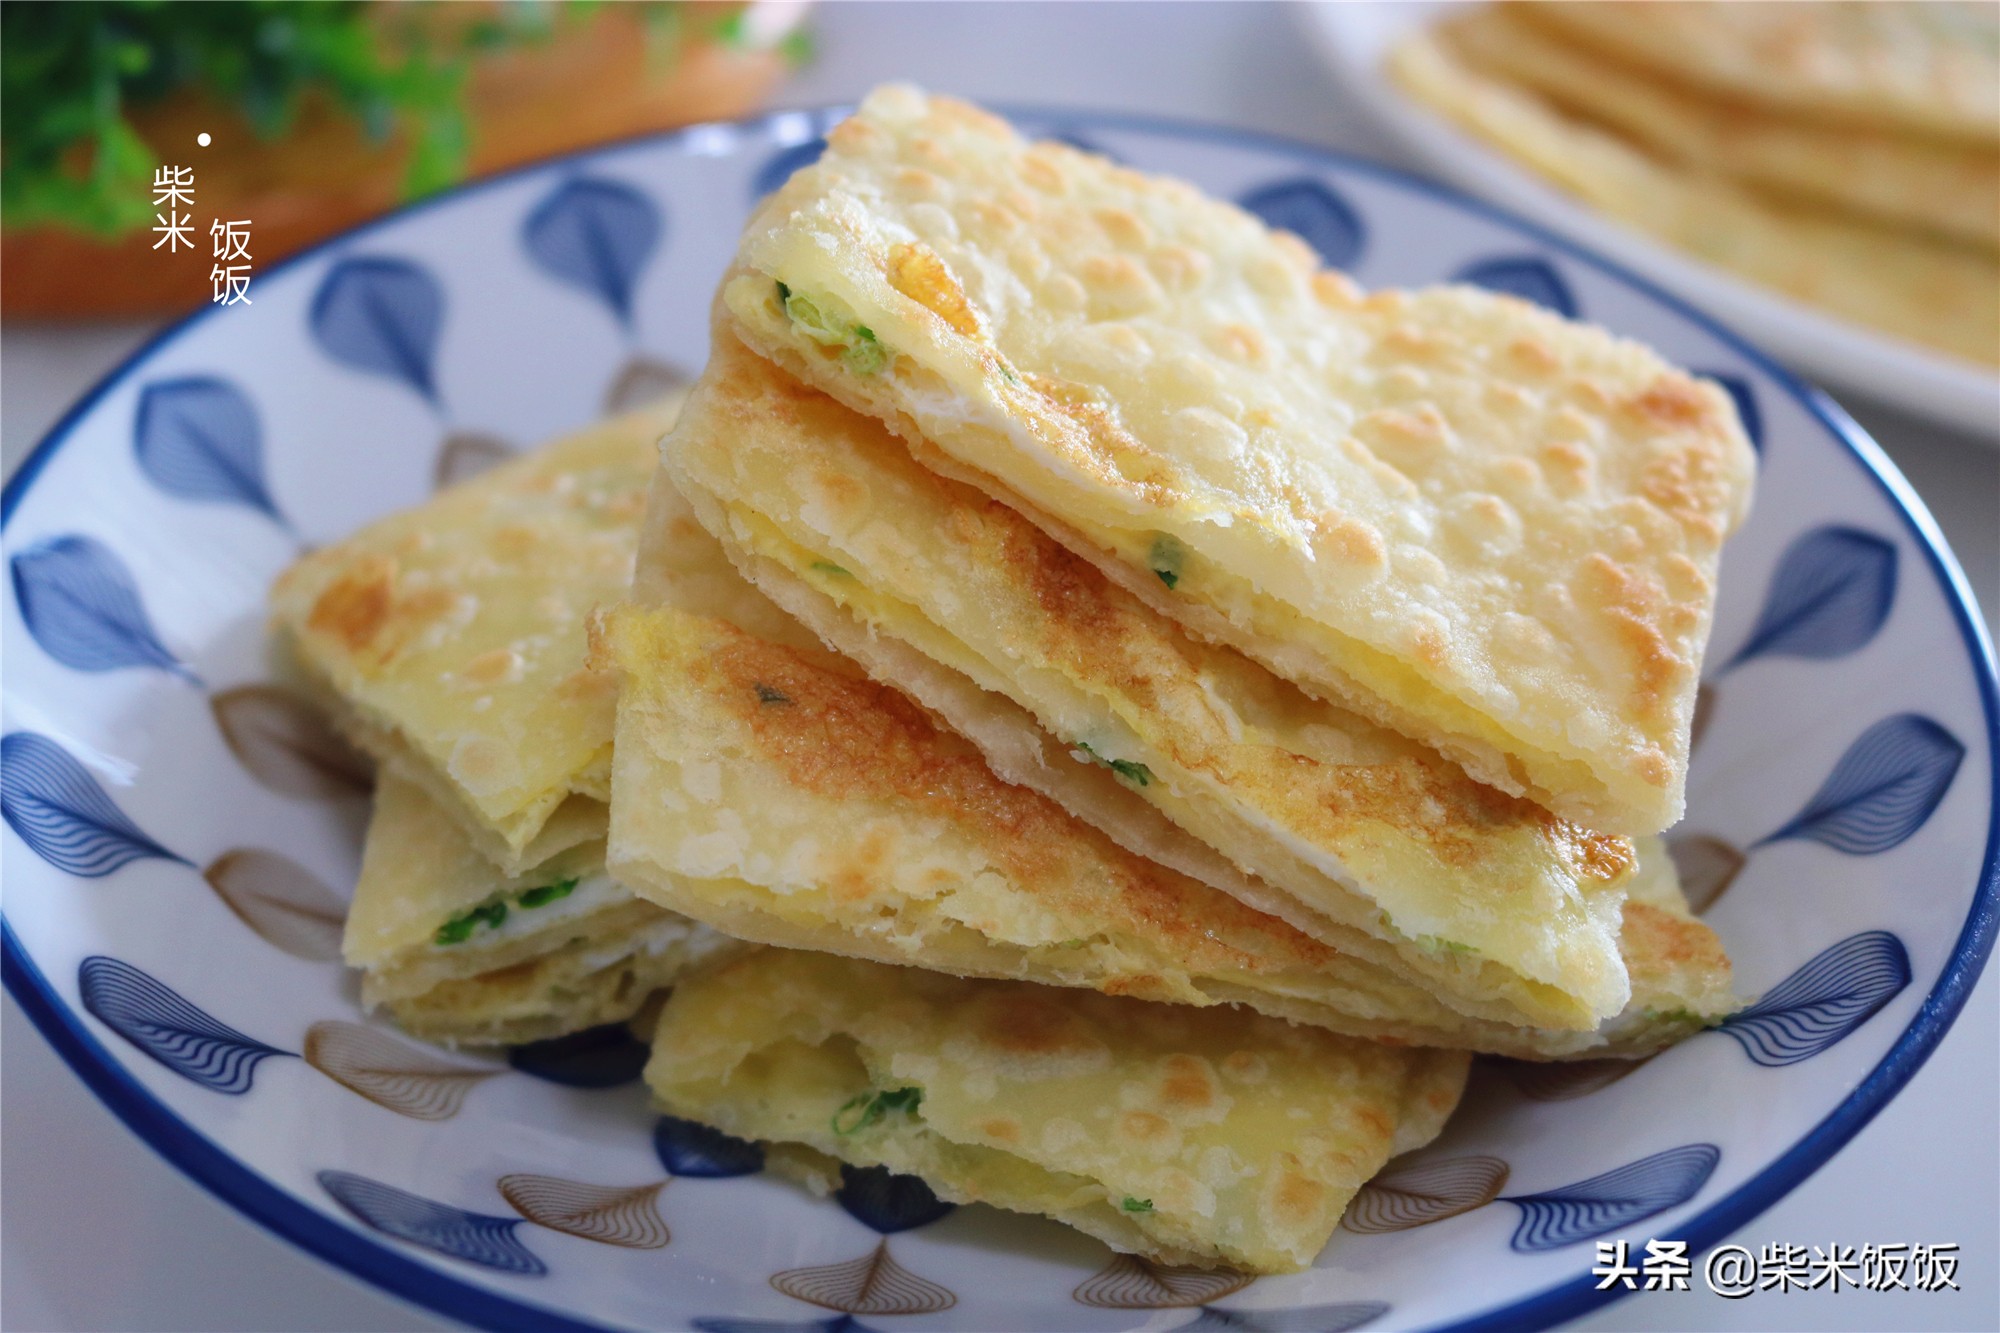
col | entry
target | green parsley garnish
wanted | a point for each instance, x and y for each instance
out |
(1167, 559)
(547, 893)
(77, 74)
(767, 695)
(857, 1113)
(1132, 1205)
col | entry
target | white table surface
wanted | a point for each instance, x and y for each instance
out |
(96, 1232)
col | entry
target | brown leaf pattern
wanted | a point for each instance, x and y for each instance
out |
(1425, 1192)
(1565, 1080)
(287, 744)
(873, 1284)
(464, 455)
(642, 381)
(611, 1214)
(405, 1080)
(281, 900)
(1707, 867)
(1129, 1282)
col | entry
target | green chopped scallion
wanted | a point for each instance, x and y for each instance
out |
(1132, 1205)
(828, 567)
(1136, 774)
(1167, 559)
(1133, 772)
(460, 928)
(863, 1110)
(548, 893)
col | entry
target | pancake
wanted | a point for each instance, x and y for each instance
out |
(1680, 975)
(782, 801)
(1930, 69)
(1342, 826)
(1930, 292)
(452, 635)
(1189, 1136)
(1490, 528)
(457, 952)
(1945, 188)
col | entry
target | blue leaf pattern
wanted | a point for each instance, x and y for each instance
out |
(1325, 220)
(80, 604)
(1830, 595)
(1836, 992)
(888, 1203)
(163, 1025)
(779, 168)
(474, 1237)
(596, 235)
(687, 1148)
(1300, 1319)
(382, 316)
(845, 1323)
(1745, 398)
(199, 438)
(1525, 276)
(57, 808)
(1603, 1203)
(1080, 141)
(599, 1057)
(1883, 788)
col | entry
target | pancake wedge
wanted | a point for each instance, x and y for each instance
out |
(1345, 826)
(1475, 522)
(1190, 1136)
(460, 953)
(452, 635)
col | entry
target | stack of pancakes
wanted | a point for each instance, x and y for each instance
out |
(1158, 708)
(1845, 153)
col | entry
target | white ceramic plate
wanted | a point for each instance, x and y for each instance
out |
(176, 856)
(1354, 38)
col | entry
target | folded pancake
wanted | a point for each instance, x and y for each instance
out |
(1206, 1137)
(457, 952)
(1346, 829)
(1480, 524)
(452, 636)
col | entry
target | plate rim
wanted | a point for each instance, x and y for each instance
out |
(278, 1211)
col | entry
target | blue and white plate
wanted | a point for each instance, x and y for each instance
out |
(180, 841)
